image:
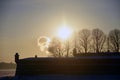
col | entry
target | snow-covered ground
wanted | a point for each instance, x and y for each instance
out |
(65, 77)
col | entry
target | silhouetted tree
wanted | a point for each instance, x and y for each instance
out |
(75, 40)
(84, 39)
(114, 37)
(98, 38)
(55, 48)
(108, 44)
(67, 47)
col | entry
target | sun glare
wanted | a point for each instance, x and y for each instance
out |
(64, 32)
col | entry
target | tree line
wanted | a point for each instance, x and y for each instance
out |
(87, 41)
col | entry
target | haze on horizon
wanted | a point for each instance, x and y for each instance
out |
(23, 21)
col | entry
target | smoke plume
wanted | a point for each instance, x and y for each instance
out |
(43, 43)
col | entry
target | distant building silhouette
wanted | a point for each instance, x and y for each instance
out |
(74, 51)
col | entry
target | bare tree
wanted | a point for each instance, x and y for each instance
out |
(75, 40)
(114, 37)
(84, 39)
(98, 39)
(108, 44)
(55, 48)
(67, 47)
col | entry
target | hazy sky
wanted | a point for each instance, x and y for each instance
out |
(23, 21)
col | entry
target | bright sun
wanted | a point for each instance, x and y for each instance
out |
(64, 32)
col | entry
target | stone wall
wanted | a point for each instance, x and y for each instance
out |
(38, 66)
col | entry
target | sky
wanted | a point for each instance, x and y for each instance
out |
(22, 22)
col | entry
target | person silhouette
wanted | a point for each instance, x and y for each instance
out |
(35, 56)
(16, 57)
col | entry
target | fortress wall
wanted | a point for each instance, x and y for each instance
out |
(67, 66)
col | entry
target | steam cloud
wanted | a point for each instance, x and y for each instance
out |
(49, 48)
(43, 43)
